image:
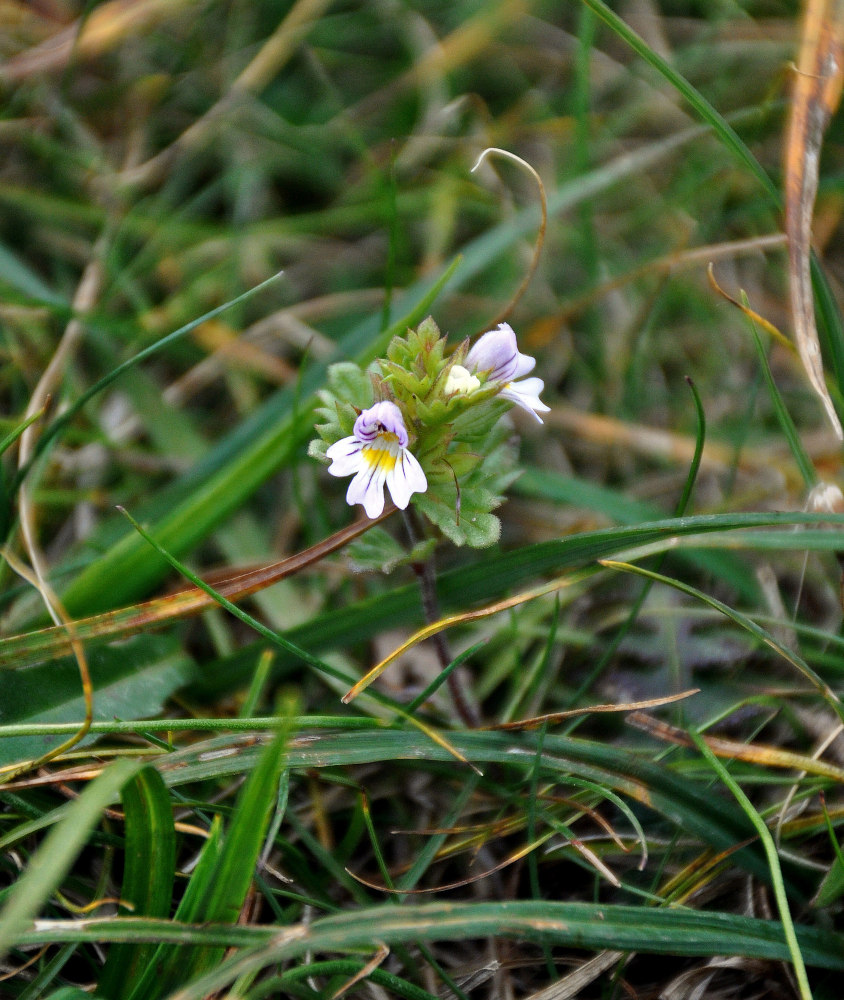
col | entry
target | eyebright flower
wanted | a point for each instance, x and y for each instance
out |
(460, 380)
(496, 355)
(376, 454)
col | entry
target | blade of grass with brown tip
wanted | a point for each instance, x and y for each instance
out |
(817, 91)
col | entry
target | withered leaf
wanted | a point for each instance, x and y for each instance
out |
(817, 91)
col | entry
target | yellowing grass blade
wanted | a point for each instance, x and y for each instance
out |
(467, 616)
(817, 91)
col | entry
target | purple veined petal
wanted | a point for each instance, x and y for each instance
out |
(367, 488)
(526, 395)
(405, 479)
(377, 463)
(496, 353)
(384, 417)
(524, 364)
(345, 456)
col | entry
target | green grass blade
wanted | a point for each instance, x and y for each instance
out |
(131, 680)
(149, 872)
(129, 569)
(51, 863)
(591, 926)
(167, 963)
(59, 424)
(830, 325)
(681, 802)
(699, 104)
(771, 854)
(761, 634)
(219, 884)
(35, 989)
(245, 834)
(804, 463)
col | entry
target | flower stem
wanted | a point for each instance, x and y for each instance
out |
(426, 575)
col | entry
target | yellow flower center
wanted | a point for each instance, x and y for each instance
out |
(381, 453)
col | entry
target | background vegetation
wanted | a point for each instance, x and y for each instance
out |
(227, 826)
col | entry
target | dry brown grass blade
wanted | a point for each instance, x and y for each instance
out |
(106, 26)
(753, 753)
(540, 236)
(467, 616)
(378, 959)
(52, 642)
(69, 629)
(631, 706)
(817, 91)
(751, 314)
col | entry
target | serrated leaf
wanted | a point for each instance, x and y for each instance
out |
(350, 384)
(376, 550)
(474, 526)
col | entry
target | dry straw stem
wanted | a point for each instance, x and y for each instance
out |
(770, 465)
(540, 236)
(96, 32)
(672, 262)
(268, 62)
(68, 627)
(86, 295)
(817, 91)
(768, 756)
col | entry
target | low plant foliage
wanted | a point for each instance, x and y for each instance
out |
(416, 581)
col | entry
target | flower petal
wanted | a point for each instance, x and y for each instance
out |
(405, 478)
(524, 364)
(496, 353)
(526, 395)
(345, 456)
(378, 419)
(368, 488)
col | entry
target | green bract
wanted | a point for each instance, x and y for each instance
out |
(459, 438)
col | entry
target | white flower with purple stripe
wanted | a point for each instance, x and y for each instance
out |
(496, 355)
(376, 455)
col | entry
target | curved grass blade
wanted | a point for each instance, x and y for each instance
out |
(773, 860)
(58, 425)
(279, 639)
(492, 574)
(58, 851)
(765, 637)
(653, 785)
(125, 622)
(725, 132)
(591, 926)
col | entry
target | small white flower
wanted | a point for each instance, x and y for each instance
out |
(496, 355)
(376, 454)
(460, 380)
